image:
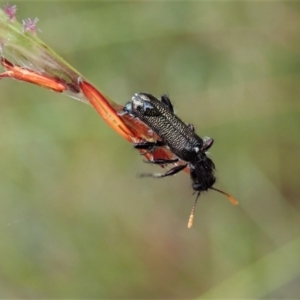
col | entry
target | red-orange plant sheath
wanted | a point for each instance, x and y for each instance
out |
(106, 111)
(24, 74)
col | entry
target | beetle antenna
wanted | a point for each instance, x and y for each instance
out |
(230, 198)
(191, 218)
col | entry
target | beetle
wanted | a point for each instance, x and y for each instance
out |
(180, 138)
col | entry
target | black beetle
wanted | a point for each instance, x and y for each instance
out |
(180, 138)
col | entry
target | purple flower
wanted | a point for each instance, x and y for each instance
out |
(10, 11)
(30, 25)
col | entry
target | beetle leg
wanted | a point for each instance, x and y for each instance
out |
(207, 143)
(171, 172)
(191, 126)
(161, 161)
(148, 145)
(166, 101)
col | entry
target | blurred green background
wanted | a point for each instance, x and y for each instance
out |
(76, 221)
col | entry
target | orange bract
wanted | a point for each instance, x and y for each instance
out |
(24, 74)
(105, 109)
